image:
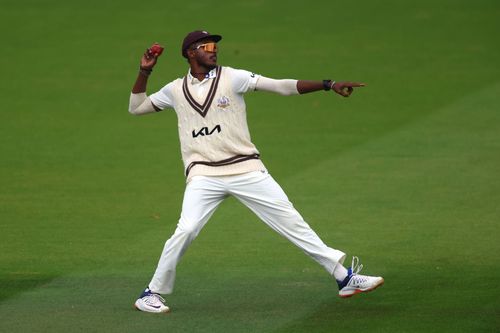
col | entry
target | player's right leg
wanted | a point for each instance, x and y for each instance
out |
(201, 197)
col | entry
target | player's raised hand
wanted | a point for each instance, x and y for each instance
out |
(346, 88)
(149, 58)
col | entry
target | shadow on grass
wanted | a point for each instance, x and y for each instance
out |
(16, 283)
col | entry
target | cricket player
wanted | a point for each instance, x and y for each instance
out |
(221, 160)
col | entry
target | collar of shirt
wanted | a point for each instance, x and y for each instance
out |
(212, 74)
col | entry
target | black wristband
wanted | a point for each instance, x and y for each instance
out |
(145, 72)
(327, 85)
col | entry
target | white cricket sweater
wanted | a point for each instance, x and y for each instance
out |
(213, 129)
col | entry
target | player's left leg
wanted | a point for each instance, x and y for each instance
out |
(263, 195)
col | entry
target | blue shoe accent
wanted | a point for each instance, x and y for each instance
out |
(146, 292)
(344, 283)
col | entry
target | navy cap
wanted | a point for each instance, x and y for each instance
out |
(195, 36)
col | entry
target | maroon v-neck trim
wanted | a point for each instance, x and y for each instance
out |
(202, 109)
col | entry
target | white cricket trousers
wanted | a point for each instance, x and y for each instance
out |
(259, 192)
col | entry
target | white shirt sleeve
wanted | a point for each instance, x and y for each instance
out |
(242, 81)
(284, 87)
(162, 99)
(140, 104)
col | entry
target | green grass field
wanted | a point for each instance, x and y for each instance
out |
(404, 174)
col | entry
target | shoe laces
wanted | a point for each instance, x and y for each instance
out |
(356, 267)
(153, 298)
(354, 277)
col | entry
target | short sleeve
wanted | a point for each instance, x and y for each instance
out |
(163, 98)
(243, 81)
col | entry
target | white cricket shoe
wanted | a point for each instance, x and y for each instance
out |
(151, 302)
(356, 283)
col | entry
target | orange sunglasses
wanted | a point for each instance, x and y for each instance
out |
(207, 47)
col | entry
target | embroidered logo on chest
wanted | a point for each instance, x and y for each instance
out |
(223, 102)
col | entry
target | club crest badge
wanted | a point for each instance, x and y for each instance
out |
(223, 102)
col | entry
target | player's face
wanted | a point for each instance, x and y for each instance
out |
(205, 52)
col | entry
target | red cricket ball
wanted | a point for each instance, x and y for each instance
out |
(156, 49)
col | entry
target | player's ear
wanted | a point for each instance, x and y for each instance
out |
(190, 53)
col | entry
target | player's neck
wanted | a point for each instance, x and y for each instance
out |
(200, 71)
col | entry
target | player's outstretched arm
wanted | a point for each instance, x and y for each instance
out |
(342, 88)
(294, 87)
(140, 103)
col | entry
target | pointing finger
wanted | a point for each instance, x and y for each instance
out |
(355, 84)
